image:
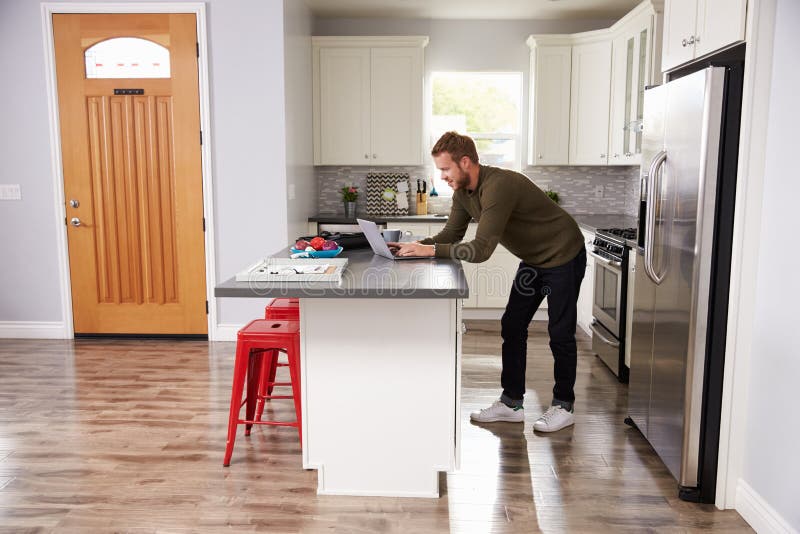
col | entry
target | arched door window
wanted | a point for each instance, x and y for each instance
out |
(127, 57)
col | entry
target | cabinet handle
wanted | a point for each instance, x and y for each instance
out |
(684, 43)
(691, 40)
(540, 156)
(366, 156)
(628, 154)
(374, 156)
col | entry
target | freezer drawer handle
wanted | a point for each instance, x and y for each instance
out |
(603, 338)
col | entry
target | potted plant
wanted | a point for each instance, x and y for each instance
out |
(553, 196)
(349, 197)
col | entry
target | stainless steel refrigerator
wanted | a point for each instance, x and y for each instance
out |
(689, 150)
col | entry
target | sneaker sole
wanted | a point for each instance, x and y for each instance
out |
(553, 429)
(497, 420)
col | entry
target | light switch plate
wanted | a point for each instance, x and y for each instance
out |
(10, 192)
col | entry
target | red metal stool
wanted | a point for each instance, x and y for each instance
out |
(284, 310)
(258, 337)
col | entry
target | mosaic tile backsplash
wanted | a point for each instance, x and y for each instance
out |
(575, 186)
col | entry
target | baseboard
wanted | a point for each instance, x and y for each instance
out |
(758, 512)
(33, 330)
(495, 314)
(226, 332)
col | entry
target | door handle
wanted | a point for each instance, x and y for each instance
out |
(650, 218)
(603, 338)
(75, 222)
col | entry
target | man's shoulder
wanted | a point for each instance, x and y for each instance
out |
(500, 179)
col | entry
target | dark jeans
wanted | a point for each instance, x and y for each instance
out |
(531, 285)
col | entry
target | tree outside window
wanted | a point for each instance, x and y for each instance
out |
(484, 105)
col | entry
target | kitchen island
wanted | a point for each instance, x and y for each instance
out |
(380, 372)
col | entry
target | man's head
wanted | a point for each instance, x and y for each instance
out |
(456, 157)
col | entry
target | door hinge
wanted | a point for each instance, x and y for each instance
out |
(206, 307)
(197, 46)
(65, 222)
(201, 137)
(204, 224)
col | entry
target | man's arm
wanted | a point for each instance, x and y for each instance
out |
(454, 229)
(496, 208)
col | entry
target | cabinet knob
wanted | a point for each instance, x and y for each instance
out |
(603, 156)
(366, 156)
(628, 154)
(616, 155)
(374, 156)
(691, 40)
(540, 156)
(74, 203)
(75, 221)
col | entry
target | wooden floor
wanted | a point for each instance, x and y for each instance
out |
(128, 436)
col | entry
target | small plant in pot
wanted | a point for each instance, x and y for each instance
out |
(349, 197)
(553, 196)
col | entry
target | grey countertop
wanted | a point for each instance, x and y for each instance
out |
(366, 276)
(588, 221)
(338, 219)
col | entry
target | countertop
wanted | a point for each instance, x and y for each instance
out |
(366, 276)
(587, 221)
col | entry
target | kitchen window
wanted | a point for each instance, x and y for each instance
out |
(487, 106)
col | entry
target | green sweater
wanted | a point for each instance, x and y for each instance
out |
(512, 211)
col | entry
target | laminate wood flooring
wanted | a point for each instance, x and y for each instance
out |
(128, 436)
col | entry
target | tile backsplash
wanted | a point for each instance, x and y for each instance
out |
(576, 187)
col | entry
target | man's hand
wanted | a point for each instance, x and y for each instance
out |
(411, 249)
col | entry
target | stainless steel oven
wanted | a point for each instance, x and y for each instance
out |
(610, 253)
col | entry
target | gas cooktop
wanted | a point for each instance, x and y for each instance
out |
(620, 233)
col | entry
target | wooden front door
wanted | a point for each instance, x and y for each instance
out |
(132, 175)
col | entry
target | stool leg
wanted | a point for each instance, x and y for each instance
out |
(294, 370)
(272, 370)
(239, 372)
(254, 366)
(268, 367)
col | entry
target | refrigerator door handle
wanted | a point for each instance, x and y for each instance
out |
(649, 236)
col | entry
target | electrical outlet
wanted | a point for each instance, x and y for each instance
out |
(598, 191)
(10, 192)
(292, 192)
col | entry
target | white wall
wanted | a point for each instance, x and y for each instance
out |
(771, 466)
(299, 140)
(248, 146)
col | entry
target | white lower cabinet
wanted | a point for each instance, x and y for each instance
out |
(586, 295)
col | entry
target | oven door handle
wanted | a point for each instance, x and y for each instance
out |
(610, 263)
(603, 338)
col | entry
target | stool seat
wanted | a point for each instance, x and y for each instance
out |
(259, 339)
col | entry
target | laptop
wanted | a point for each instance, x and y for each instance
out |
(379, 246)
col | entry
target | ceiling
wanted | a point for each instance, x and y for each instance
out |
(473, 9)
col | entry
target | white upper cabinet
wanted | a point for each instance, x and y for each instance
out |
(695, 28)
(368, 100)
(549, 109)
(587, 91)
(633, 69)
(589, 109)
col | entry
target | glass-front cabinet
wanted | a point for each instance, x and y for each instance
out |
(631, 73)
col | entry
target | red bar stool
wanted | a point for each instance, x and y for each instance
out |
(284, 310)
(258, 337)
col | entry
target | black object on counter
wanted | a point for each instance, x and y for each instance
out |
(347, 240)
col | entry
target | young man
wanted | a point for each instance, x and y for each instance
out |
(512, 211)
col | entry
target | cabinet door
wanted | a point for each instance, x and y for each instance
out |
(680, 17)
(550, 102)
(415, 230)
(719, 23)
(621, 69)
(590, 101)
(396, 104)
(495, 278)
(344, 115)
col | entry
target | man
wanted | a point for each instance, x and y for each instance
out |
(512, 211)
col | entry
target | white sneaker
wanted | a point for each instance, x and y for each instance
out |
(499, 412)
(555, 418)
